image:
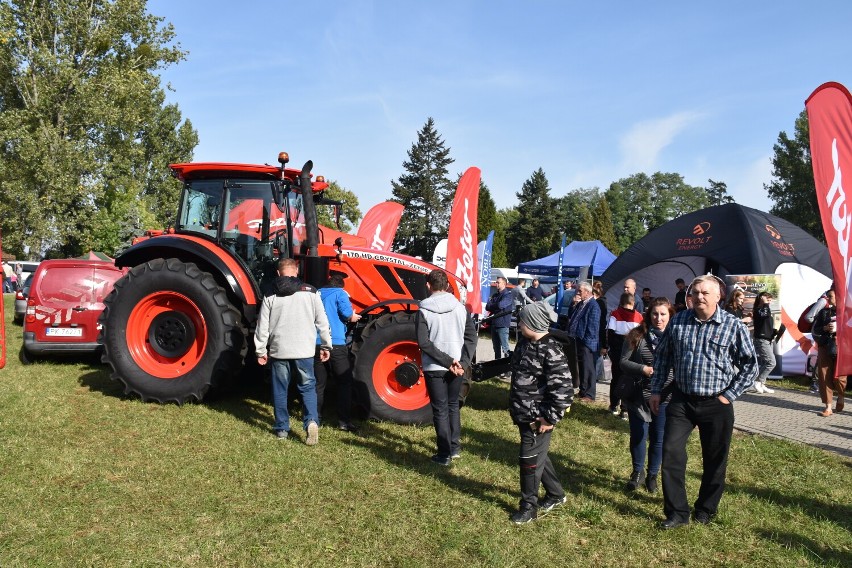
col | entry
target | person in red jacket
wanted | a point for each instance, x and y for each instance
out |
(622, 319)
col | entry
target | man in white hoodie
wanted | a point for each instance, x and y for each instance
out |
(285, 336)
(446, 335)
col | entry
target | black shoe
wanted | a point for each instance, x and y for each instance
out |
(651, 483)
(702, 517)
(524, 516)
(636, 480)
(673, 523)
(347, 427)
(550, 503)
(442, 460)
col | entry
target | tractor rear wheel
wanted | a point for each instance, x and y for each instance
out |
(387, 371)
(170, 333)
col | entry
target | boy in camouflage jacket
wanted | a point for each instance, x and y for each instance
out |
(541, 393)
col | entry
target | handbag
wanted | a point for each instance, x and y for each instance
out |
(629, 388)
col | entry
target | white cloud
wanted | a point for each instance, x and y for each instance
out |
(642, 144)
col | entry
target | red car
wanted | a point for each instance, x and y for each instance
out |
(65, 300)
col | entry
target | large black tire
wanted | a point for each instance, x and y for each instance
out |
(385, 354)
(170, 333)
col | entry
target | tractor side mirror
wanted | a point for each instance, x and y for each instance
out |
(279, 191)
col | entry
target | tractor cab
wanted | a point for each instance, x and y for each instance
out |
(255, 212)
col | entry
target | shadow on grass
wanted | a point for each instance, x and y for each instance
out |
(837, 513)
(246, 398)
(488, 395)
(814, 549)
(97, 379)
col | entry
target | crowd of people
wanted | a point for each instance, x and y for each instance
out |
(675, 367)
(13, 279)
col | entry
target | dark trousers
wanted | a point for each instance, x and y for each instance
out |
(341, 370)
(444, 388)
(715, 422)
(536, 467)
(588, 377)
(616, 343)
(573, 365)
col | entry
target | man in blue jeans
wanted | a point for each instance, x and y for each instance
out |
(500, 303)
(285, 336)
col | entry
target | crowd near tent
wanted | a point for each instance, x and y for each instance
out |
(576, 257)
(730, 239)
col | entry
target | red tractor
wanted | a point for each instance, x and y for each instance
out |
(181, 321)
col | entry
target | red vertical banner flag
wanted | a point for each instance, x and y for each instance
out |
(461, 240)
(830, 122)
(379, 225)
(2, 320)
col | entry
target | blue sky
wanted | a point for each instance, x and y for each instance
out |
(588, 91)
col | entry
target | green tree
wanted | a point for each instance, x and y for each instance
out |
(486, 220)
(602, 218)
(671, 197)
(792, 188)
(535, 231)
(87, 134)
(717, 193)
(350, 214)
(641, 203)
(586, 222)
(506, 218)
(573, 214)
(630, 203)
(427, 192)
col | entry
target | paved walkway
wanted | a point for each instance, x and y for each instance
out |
(788, 414)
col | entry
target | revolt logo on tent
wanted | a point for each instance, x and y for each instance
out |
(787, 249)
(701, 238)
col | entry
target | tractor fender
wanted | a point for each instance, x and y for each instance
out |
(209, 257)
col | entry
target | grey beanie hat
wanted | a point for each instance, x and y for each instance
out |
(538, 316)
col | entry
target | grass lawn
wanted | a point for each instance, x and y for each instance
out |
(91, 478)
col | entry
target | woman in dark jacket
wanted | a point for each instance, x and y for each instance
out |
(637, 364)
(764, 334)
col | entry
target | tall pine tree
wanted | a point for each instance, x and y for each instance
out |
(427, 192)
(604, 232)
(535, 232)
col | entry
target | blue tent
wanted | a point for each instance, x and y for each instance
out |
(576, 256)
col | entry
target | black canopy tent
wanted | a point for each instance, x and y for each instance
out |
(725, 239)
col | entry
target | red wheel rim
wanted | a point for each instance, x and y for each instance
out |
(387, 388)
(139, 328)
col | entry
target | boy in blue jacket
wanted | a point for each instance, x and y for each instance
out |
(339, 310)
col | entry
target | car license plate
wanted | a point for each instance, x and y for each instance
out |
(64, 332)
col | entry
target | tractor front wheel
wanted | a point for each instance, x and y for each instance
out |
(387, 371)
(170, 333)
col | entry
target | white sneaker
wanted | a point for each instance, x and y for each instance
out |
(759, 388)
(767, 390)
(313, 434)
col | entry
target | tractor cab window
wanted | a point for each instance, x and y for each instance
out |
(296, 211)
(201, 207)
